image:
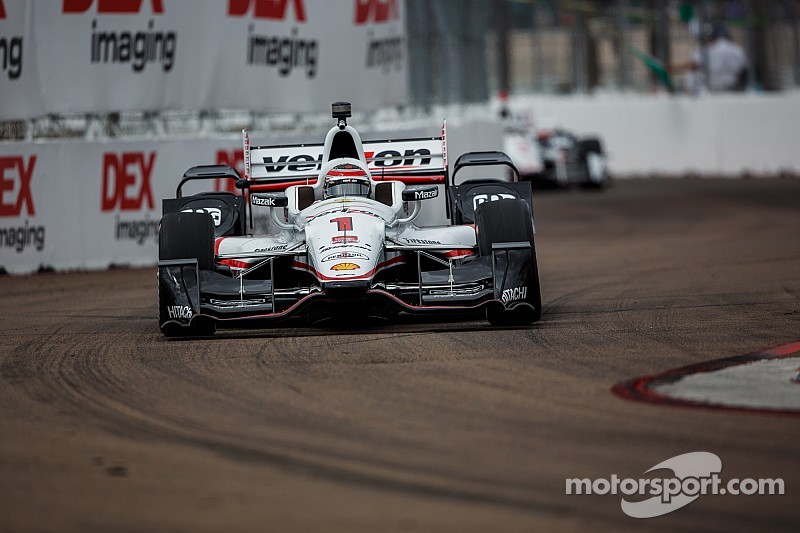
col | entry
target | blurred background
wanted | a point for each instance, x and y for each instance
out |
(467, 51)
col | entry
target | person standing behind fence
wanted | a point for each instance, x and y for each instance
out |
(727, 64)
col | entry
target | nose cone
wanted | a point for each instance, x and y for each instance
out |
(345, 246)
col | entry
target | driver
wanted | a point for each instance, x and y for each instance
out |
(346, 180)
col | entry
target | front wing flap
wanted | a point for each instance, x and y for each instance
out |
(502, 280)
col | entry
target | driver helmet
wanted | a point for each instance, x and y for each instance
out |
(346, 180)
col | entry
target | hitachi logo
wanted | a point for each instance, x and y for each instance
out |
(179, 311)
(512, 295)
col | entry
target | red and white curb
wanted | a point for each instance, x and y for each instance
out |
(763, 382)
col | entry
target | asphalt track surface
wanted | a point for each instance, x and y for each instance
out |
(416, 426)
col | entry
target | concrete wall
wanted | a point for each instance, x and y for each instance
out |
(720, 135)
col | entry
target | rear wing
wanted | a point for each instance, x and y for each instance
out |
(413, 161)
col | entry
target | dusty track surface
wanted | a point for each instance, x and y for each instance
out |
(416, 426)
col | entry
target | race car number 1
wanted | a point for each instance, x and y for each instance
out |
(343, 223)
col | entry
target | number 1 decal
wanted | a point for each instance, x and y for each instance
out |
(343, 223)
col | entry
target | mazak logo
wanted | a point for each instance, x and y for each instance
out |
(693, 474)
(376, 11)
(424, 195)
(267, 9)
(10, 52)
(137, 48)
(15, 186)
(264, 201)
(126, 181)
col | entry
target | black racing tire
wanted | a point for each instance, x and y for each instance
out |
(587, 147)
(510, 221)
(504, 220)
(187, 236)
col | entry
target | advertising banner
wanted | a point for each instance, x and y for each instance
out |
(77, 205)
(85, 56)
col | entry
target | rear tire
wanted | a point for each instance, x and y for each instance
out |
(591, 159)
(510, 221)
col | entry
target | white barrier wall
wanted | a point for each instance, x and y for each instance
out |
(720, 135)
(88, 205)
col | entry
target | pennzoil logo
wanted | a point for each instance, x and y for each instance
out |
(345, 255)
(345, 266)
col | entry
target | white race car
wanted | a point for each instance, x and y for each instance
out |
(344, 240)
(555, 157)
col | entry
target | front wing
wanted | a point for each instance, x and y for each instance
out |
(189, 295)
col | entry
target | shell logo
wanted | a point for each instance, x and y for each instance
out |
(345, 266)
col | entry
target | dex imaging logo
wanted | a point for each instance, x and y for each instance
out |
(127, 188)
(693, 475)
(122, 46)
(10, 51)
